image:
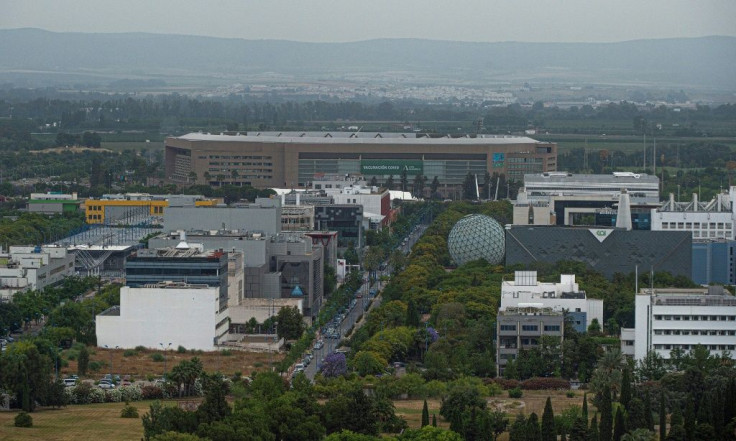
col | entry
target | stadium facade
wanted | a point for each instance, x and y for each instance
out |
(294, 159)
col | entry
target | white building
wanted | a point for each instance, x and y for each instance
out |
(562, 296)
(177, 313)
(668, 319)
(706, 220)
(376, 203)
(33, 268)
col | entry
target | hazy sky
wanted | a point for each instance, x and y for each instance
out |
(351, 20)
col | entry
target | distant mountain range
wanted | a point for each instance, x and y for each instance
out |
(708, 62)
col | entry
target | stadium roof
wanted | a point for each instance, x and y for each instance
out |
(356, 138)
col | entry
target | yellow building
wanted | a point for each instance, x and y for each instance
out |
(134, 207)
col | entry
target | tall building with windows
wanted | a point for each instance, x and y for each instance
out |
(712, 220)
(668, 319)
(295, 159)
(521, 327)
(564, 296)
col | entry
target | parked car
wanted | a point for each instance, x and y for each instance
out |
(69, 382)
(104, 384)
(319, 345)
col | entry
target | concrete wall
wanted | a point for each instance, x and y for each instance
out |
(149, 316)
(266, 220)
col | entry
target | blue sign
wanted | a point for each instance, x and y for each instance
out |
(297, 292)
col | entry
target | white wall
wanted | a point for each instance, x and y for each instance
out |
(149, 316)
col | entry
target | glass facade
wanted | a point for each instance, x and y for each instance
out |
(476, 237)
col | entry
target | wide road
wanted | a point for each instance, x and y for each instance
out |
(330, 344)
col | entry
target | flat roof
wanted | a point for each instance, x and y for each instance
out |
(569, 178)
(354, 138)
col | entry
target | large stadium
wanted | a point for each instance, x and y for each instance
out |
(293, 159)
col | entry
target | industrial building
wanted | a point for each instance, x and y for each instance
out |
(164, 315)
(564, 296)
(134, 208)
(520, 328)
(25, 268)
(668, 319)
(53, 203)
(606, 250)
(294, 159)
(711, 220)
(262, 216)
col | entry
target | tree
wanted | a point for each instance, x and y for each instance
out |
(593, 434)
(579, 430)
(334, 365)
(469, 187)
(533, 432)
(290, 323)
(368, 363)
(690, 418)
(25, 372)
(185, 374)
(412, 315)
(594, 328)
(662, 416)
(459, 399)
(434, 420)
(434, 187)
(625, 398)
(429, 433)
(390, 182)
(584, 412)
(82, 361)
(619, 427)
(606, 425)
(636, 416)
(548, 422)
(425, 414)
(517, 431)
(214, 407)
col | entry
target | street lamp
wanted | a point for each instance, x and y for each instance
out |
(110, 348)
(164, 348)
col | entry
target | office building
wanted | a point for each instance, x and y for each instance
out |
(296, 159)
(165, 316)
(713, 262)
(25, 268)
(668, 319)
(186, 263)
(564, 296)
(521, 328)
(133, 208)
(711, 220)
(346, 220)
(560, 198)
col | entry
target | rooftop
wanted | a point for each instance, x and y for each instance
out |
(616, 178)
(355, 138)
(529, 310)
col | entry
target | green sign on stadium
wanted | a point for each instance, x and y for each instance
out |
(391, 167)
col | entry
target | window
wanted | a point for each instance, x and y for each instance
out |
(696, 224)
(688, 225)
(508, 327)
(530, 327)
(552, 328)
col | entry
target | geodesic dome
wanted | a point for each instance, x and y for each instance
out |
(474, 237)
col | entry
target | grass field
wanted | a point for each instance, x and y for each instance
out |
(77, 423)
(102, 421)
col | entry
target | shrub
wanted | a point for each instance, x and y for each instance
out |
(515, 393)
(96, 395)
(23, 419)
(80, 393)
(140, 348)
(181, 349)
(506, 383)
(95, 366)
(551, 383)
(129, 412)
(130, 393)
(226, 352)
(157, 357)
(570, 394)
(71, 356)
(150, 377)
(129, 353)
(257, 364)
(152, 393)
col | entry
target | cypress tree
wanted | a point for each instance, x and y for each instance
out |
(82, 361)
(563, 433)
(606, 426)
(585, 407)
(579, 431)
(593, 434)
(690, 418)
(434, 420)
(425, 414)
(662, 416)
(533, 432)
(636, 418)
(677, 433)
(625, 398)
(619, 427)
(412, 315)
(548, 422)
(648, 411)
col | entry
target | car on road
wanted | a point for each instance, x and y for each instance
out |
(319, 345)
